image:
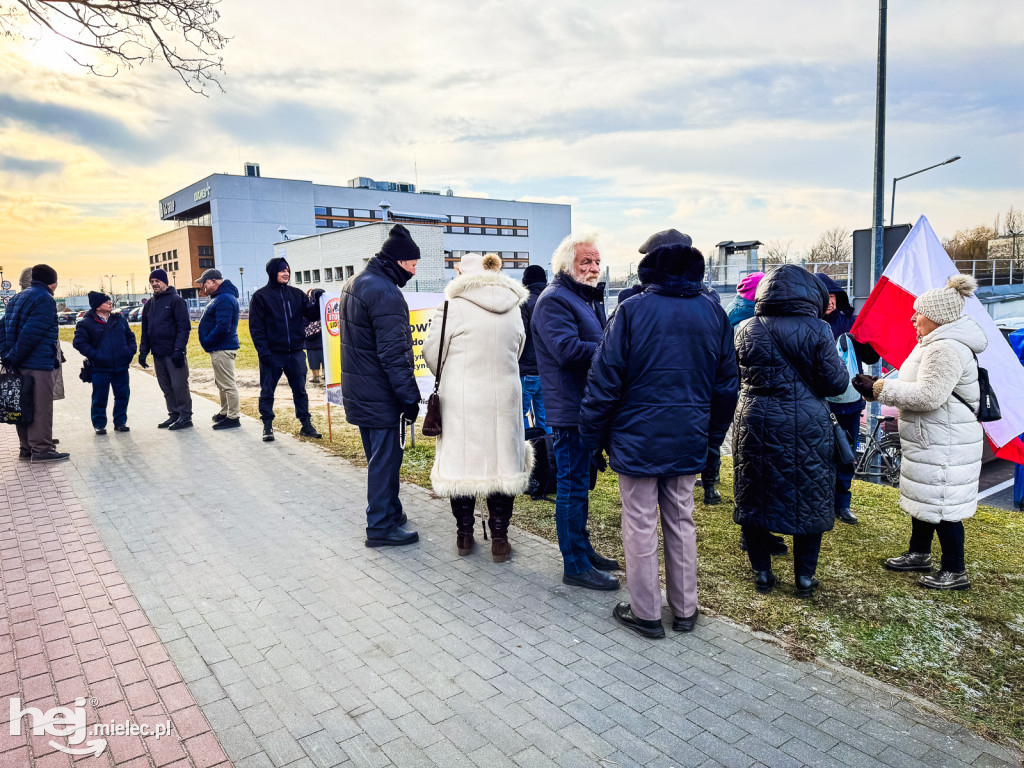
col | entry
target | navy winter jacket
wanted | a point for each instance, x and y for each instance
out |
(567, 325)
(110, 351)
(663, 383)
(218, 327)
(30, 329)
(278, 314)
(377, 380)
(165, 324)
(528, 360)
(783, 444)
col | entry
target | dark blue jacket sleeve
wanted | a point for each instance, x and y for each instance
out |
(82, 343)
(32, 333)
(605, 384)
(129, 337)
(726, 388)
(555, 321)
(391, 334)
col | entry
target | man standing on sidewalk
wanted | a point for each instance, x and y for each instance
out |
(108, 343)
(378, 386)
(278, 314)
(165, 331)
(30, 344)
(218, 335)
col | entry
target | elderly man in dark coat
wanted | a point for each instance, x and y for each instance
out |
(567, 325)
(783, 441)
(108, 343)
(661, 392)
(378, 385)
(165, 330)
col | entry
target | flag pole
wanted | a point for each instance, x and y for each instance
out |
(878, 225)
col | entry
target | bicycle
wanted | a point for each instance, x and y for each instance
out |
(880, 458)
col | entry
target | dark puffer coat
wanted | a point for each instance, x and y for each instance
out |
(30, 329)
(278, 314)
(782, 433)
(377, 380)
(109, 346)
(567, 325)
(528, 360)
(663, 382)
(165, 324)
(218, 327)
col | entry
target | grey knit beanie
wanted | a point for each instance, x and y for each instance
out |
(946, 304)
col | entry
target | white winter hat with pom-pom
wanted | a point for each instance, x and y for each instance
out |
(946, 304)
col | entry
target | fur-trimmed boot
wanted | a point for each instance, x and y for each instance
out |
(462, 509)
(499, 508)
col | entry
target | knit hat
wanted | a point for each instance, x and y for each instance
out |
(676, 260)
(96, 299)
(400, 246)
(159, 274)
(44, 273)
(471, 264)
(26, 278)
(534, 274)
(663, 238)
(747, 287)
(946, 304)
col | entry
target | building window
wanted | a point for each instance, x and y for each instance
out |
(522, 233)
(349, 271)
(316, 275)
(473, 220)
(328, 274)
(298, 277)
(506, 222)
(475, 231)
(305, 275)
(174, 253)
(205, 250)
(175, 267)
(457, 219)
(490, 221)
(317, 211)
(489, 231)
(321, 222)
(206, 263)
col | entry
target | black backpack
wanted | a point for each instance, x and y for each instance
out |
(543, 478)
(988, 407)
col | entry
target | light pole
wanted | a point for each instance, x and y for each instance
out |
(111, 279)
(892, 208)
(241, 279)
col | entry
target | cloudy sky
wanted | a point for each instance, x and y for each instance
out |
(730, 121)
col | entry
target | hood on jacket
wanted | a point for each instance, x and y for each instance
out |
(842, 299)
(791, 290)
(488, 290)
(227, 287)
(964, 329)
(274, 266)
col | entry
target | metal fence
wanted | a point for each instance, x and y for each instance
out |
(725, 277)
(993, 272)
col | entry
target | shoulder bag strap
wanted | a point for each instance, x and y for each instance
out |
(962, 400)
(440, 349)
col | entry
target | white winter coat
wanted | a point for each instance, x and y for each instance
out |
(482, 448)
(941, 437)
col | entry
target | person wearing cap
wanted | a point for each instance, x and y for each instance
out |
(218, 335)
(661, 389)
(941, 437)
(165, 330)
(278, 314)
(30, 343)
(536, 280)
(378, 386)
(108, 343)
(567, 324)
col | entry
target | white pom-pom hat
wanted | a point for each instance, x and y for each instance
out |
(946, 304)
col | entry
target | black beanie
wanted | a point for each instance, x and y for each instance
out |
(400, 246)
(534, 274)
(44, 273)
(675, 260)
(159, 274)
(96, 298)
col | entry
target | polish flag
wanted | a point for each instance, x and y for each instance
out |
(920, 265)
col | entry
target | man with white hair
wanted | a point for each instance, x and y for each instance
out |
(568, 321)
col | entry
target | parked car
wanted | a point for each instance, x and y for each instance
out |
(80, 315)
(134, 315)
(66, 317)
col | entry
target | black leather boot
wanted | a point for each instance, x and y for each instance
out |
(499, 510)
(462, 509)
(764, 581)
(805, 586)
(712, 495)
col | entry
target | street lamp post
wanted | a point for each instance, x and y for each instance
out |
(241, 279)
(111, 279)
(892, 208)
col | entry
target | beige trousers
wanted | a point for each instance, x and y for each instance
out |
(223, 361)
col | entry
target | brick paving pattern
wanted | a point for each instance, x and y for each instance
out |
(303, 648)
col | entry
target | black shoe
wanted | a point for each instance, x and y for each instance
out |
(846, 516)
(166, 423)
(101, 431)
(602, 563)
(592, 579)
(778, 546)
(123, 428)
(945, 580)
(764, 581)
(910, 561)
(40, 458)
(712, 495)
(180, 424)
(268, 433)
(685, 623)
(24, 455)
(399, 538)
(646, 627)
(403, 520)
(219, 417)
(805, 586)
(227, 423)
(308, 430)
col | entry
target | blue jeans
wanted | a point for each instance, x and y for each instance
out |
(850, 422)
(102, 383)
(383, 449)
(572, 462)
(533, 397)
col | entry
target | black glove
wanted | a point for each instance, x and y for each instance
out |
(410, 412)
(864, 384)
(142, 360)
(597, 459)
(178, 358)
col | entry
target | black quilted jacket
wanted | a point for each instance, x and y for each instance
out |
(782, 435)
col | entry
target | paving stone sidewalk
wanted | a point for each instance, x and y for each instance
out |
(304, 648)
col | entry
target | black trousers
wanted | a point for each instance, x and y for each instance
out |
(951, 539)
(293, 366)
(713, 466)
(806, 547)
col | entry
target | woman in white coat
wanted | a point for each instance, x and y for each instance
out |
(482, 449)
(940, 434)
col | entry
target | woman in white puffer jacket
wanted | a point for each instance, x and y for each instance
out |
(941, 437)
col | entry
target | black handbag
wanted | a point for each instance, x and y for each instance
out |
(432, 421)
(988, 408)
(17, 396)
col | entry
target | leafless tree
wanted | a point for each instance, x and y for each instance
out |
(777, 251)
(832, 247)
(1013, 225)
(126, 33)
(969, 244)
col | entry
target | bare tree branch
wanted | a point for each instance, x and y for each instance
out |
(777, 251)
(181, 33)
(832, 247)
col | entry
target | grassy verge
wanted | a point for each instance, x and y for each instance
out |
(961, 650)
